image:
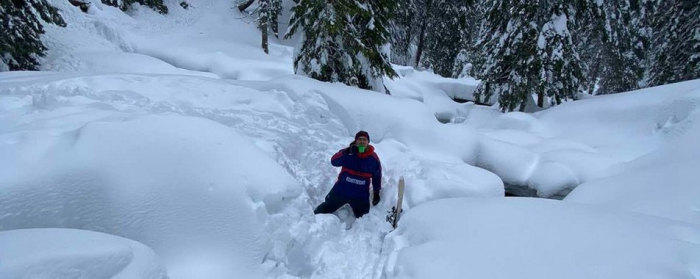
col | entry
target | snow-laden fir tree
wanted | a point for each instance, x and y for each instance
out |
(462, 65)
(623, 54)
(676, 26)
(529, 50)
(561, 71)
(343, 41)
(590, 33)
(423, 16)
(511, 68)
(643, 23)
(431, 33)
(268, 20)
(20, 43)
(410, 27)
(444, 36)
(124, 4)
(473, 13)
(401, 30)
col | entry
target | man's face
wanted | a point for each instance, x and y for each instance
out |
(362, 141)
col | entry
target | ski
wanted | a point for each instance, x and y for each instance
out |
(395, 212)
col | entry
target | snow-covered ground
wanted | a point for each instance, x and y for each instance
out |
(69, 253)
(177, 132)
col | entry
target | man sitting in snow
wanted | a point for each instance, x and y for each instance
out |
(360, 165)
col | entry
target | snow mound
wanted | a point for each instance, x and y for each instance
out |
(661, 183)
(626, 125)
(670, 191)
(535, 238)
(436, 92)
(120, 62)
(556, 150)
(190, 188)
(214, 42)
(68, 253)
(429, 180)
(519, 121)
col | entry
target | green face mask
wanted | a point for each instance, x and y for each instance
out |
(361, 149)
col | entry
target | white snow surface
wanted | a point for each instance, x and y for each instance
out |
(178, 132)
(70, 253)
(564, 146)
(662, 182)
(528, 238)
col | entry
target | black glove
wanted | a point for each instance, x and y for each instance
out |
(352, 149)
(376, 198)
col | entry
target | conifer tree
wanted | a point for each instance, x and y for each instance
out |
(20, 45)
(562, 70)
(268, 19)
(676, 27)
(444, 37)
(643, 23)
(343, 41)
(402, 33)
(590, 33)
(473, 12)
(529, 50)
(431, 33)
(623, 51)
(461, 66)
(425, 9)
(510, 69)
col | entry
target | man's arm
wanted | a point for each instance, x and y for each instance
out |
(377, 176)
(338, 159)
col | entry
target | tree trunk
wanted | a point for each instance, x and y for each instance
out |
(419, 49)
(523, 104)
(264, 28)
(244, 5)
(421, 36)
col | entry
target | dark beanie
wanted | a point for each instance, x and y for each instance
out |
(362, 134)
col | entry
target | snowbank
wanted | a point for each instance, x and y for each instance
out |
(68, 253)
(520, 151)
(534, 238)
(429, 180)
(192, 189)
(666, 191)
(215, 42)
(556, 150)
(626, 125)
(436, 92)
(661, 183)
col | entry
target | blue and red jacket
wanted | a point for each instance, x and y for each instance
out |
(356, 173)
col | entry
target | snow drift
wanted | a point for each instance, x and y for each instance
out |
(536, 238)
(68, 253)
(187, 187)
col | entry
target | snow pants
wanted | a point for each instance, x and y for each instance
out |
(360, 206)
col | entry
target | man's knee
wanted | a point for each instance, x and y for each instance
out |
(330, 205)
(360, 207)
(324, 208)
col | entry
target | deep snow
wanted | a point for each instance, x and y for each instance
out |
(69, 253)
(179, 133)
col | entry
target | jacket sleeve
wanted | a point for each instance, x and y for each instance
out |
(377, 177)
(338, 158)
